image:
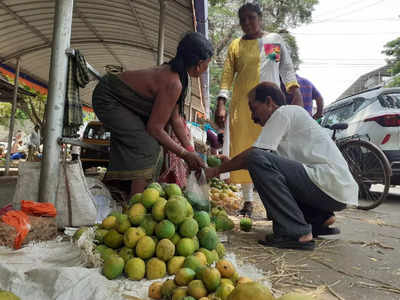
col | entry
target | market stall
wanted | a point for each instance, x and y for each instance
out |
(166, 244)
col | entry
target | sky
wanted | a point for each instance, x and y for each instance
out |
(345, 41)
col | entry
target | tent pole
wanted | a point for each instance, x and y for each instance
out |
(12, 118)
(160, 59)
(161, 32)
(56, 101)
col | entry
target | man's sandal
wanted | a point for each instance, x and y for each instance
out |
(247, 209)
(324, 230)
(287, 243)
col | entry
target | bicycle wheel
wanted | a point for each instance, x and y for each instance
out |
(371, 169)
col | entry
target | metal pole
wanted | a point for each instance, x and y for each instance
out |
(12, 118)
(200, 13)
(160, 58)
(55, 104)
(161, 32)
(206, 75)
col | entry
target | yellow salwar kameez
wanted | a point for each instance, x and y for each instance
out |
(248, 63)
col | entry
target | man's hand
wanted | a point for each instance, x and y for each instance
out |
(211, 172)
(223, 158)
(320, 107)
(317, 116)
(193, 160)
(220, 113)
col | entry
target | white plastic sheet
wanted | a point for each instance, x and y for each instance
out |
(52, 270)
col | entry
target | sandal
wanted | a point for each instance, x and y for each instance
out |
(325, 230)
(287, 243)
(247, 209)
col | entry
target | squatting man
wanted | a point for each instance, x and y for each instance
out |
(300, 174)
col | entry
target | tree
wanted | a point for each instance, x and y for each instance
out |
(28, 107)
(286, 14)
(392, 51)
(278, 16)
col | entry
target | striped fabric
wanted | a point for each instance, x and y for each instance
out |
(78, 76)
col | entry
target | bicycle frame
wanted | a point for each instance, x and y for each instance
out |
(364, 137)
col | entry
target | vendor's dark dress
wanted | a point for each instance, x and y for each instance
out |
(134, 153)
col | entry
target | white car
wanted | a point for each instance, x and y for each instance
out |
(375, 115)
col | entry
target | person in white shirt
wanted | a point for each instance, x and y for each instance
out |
(34, 139)
(34, 143)
(300, 174)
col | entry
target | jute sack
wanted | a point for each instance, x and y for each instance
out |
(75, 204)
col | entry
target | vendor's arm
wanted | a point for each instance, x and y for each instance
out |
(178, 126)
(163, 107)
(239, 162)
(268, 140)
(220, 112)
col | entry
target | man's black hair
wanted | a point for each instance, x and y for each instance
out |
(265, 89)
(254, 7)
(193, 48)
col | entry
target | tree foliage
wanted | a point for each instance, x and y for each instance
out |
(286, 14)
(278, 16)
(28, 107)
(392, 51)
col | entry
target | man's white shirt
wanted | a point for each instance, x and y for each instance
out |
(293, 134)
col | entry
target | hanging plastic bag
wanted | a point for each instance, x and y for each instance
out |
(197, 192)
(20, 221)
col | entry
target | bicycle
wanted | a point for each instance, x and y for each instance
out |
(368, 165)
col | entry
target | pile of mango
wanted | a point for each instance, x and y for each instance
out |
(160, 234)
(196, 280)
(154, 236)
(221, 220)
(224, 195)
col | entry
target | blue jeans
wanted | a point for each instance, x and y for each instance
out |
(18, 155)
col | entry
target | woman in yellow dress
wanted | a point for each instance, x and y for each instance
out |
(255, 57)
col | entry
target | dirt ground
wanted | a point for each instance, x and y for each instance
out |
(360, 263)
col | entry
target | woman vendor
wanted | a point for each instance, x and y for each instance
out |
(137, 105)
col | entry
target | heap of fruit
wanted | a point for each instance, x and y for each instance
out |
(198, 280)
(221, 219)
(224, 195)
(155, 236)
